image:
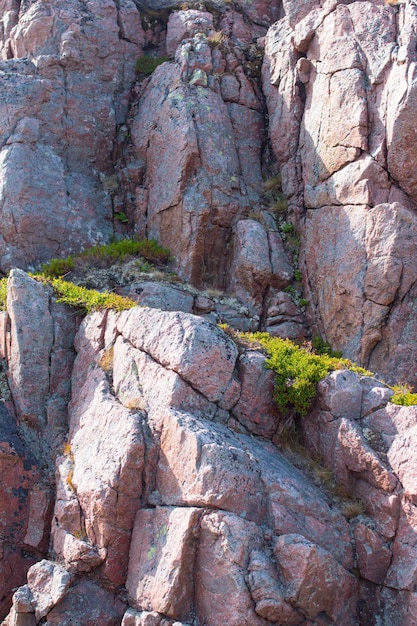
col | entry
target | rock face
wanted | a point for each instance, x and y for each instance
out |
(339, 133)
(145, 478)
(171, 486)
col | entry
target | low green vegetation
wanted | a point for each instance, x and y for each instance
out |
(147, 65)
(106, 255)
(403, 395)
(319, 346)
(3, 293)
(297, 369)
(85, 300)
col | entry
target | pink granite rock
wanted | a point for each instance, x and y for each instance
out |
(160, 576)
(402, 457)
(19, 474)
(226, 541)
(48, 583)
(252, 271)
(315, 582)
(257, 412)
(337, 164)
(402, 571)
(374, 557)
(368, 325)
(28, 303)
(203, 464)
(87, 604)
(199, 352)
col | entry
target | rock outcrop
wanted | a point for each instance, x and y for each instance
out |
(339, 107)
(145, 478)
(173, 492)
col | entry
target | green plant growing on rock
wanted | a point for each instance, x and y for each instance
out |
(3, 294)
(297, 370)
(320, 346)
(58, 267)
(297, 276)
(403, 395)
(121, 217)
(106, 255)
(287, 228)
(147, 65)
(85, 300)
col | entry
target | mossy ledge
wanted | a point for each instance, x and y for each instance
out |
(298, 370)
(86, 300)
(83, 300)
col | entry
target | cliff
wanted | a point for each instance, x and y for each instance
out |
(147, 476)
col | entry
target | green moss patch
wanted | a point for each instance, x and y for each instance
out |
(297, 370)
(3, 293)
(86, 300)
(147, 65)
(106, 255)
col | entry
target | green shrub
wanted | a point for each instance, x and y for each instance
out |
(297, 370)
(106, 255)
(323, 347)
(83, 299)
(403, 395)
(404, 399)
(288, 228)
(58, 267)
(121, 217)
(147, 65)
(3, 293)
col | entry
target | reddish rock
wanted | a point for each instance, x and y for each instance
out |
(141, 618)
(315, 582)
(226, 541)
(297, 506)
(161, 560)
(374, 557)
(258, 413)
(141, 383)
(251, 270)
(48, 583)
(18, 521)
(402, 571)
(340, 393)
(159, 296)
(185, 24)
(199, 352)
(268, 592)
(402, 457)
(28, 305)
(383, 508)
(204, 464)
(87, 604)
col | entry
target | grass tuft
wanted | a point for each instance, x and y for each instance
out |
(147, 65)
(106, 255)
(85, 300)
(297, 369)
(3, 294)
(403, 395)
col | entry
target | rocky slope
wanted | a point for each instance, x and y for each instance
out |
(144, 476)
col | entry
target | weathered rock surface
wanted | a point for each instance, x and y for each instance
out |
(144, 479)
(340, 110)
(161, 489)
